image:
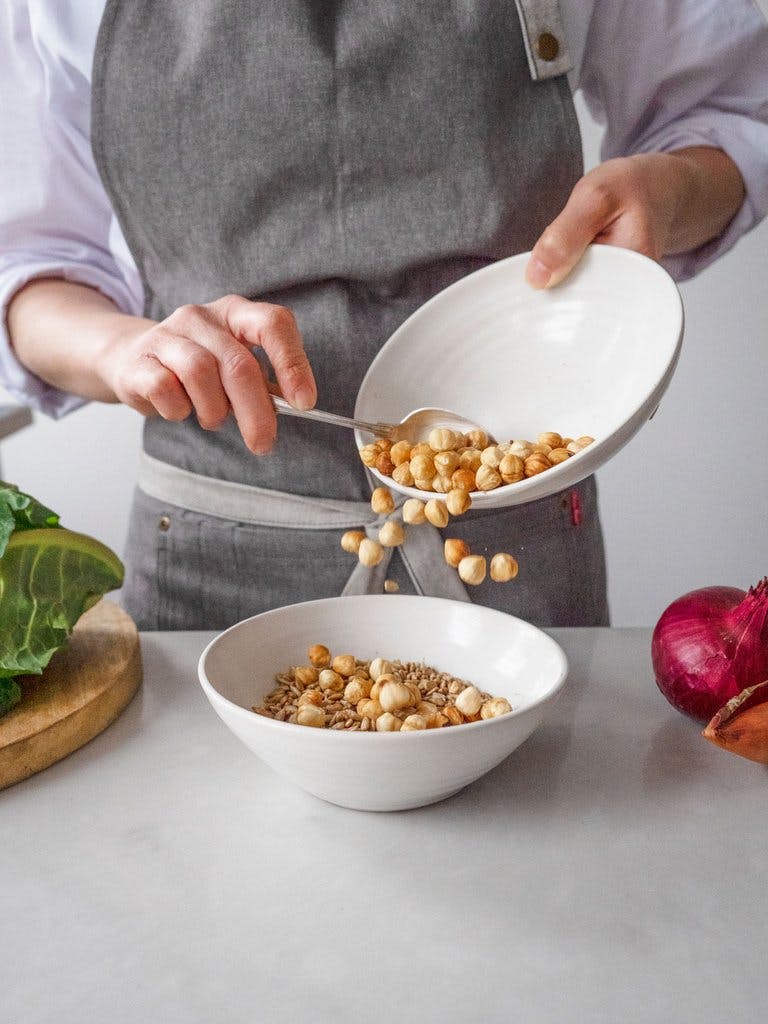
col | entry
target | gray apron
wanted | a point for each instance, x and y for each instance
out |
(347, 160)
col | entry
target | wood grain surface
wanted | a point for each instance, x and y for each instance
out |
(83, 689)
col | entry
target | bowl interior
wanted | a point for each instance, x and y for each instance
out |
(591, 356)
(499, 653)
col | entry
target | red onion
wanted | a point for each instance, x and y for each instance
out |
(709, 645)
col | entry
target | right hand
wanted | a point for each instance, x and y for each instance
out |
(199, 360)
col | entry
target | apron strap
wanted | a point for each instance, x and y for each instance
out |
(422, 551)
(544, 38)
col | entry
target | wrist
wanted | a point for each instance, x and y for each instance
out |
(67, 334)
(705, 191)
(113, 333)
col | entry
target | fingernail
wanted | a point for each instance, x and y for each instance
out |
(264, 448)
(537, 274)
(304, 398)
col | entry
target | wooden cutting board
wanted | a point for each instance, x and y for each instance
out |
(82, 690)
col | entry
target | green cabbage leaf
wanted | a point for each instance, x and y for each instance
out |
(49, 576)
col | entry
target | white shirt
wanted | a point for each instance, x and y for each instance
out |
(658, 75)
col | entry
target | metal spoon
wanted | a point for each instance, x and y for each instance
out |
(413, 428)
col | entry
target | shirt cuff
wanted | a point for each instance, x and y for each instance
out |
(20, 383)
(745, 141)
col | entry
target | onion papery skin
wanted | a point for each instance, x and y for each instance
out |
(741, 727)
(709, 645)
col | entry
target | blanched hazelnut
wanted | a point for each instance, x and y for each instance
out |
(310, 697)
(402, 475)
(379, 667)
(413, 723)
(552, 438)
(310, 715)
(384, 464)
(350, 541)
(391, 586)
(495, 707)
(441, 484)
(453, 715)
(319, 655)
(458, 501)
(446, 463)
(491, 456)
(521, 448)
(464, 480)
(470, 459)
(368, 454)
(472, 569)
(391, 534)
(469, 701)
(382, 501)
(442, 439)
(436, 512)
(454, 550)
(422, 448)
(487, 478)
(476, 439)
(388, 723)
(369, 709)
(400, 452)
(357, 689)
(370, 552)
(536, 463)
(422, 467)
(503, 567)
(305, 675)
(413, 511)
(511, 468)
(558, 455)
(330, 680)
(344, 664)
(394, 696)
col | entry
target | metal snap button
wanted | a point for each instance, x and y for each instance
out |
(547, 46)
(164, 524)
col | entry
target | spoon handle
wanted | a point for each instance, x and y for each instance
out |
(281, 406)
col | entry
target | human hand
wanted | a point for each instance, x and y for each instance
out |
(199, 360)
(654, 203)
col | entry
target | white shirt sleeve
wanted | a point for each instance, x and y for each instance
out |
(55, 218)
(665, 74)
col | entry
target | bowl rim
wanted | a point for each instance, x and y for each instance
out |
(247, 715)
(630, 424)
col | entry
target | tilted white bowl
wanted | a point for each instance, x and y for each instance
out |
(591, 356)
(384, 771)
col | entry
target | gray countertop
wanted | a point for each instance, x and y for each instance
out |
(613, 869)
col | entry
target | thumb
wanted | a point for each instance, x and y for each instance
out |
(589, 211)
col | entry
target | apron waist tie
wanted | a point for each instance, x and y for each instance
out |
(422, 550)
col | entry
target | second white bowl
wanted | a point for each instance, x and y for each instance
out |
(384, 771)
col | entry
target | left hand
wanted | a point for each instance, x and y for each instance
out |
(653, 203)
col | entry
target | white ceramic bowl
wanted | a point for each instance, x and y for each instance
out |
(592, 356)
(384, 771)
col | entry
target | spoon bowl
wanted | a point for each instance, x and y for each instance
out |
(413, 427)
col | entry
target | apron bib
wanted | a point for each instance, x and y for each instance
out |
(347, 160)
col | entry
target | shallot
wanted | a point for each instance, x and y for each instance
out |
(742, 725)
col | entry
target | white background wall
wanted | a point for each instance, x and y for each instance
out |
(685, 504)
